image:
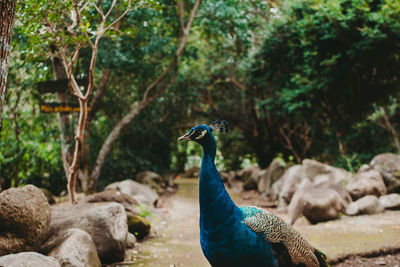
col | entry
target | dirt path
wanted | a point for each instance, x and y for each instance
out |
(176, 242)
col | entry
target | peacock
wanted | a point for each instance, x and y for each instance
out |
(242, 236)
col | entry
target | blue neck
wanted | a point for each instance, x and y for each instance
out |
(217, 210)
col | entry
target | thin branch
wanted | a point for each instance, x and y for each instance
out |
(98, 9)
(236, 83)
(99, 93)
(128, 9)
(112, 7)
(181, 14)
(179, 51)
(80, 22)
(187, 28)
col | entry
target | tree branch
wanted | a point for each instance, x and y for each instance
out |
(147, 98)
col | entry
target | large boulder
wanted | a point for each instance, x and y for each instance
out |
(318, 202)
(106, 223)
(24, 219)
(317, 171)
(366, 182)
(365, 205)
(249, 176)
(72, 247)
(125, 200)
(391, 201)
(287, 185)
(142, 193)
(389, 167)
(28, 259)
(312, 170)
(152, 179)
(271, 175)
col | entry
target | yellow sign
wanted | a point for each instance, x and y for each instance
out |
(57, 108)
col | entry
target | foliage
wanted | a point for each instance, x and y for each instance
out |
(29, 144)
(327, 63)
(262, 66)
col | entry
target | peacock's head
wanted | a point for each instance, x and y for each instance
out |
(199, 133)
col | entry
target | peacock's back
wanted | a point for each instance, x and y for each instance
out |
(290, 248)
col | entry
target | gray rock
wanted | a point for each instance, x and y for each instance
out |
(365, 205)
(125, 200)
(106, 223)
(317, 171)
(142, 193)
(28, 259)
(152, 179)
(270, 176)
(73, 248)
(290, 180)
(367, 182)
(131, 241)
(389, 167)
(24, 219)
(391, 201)
(249, 176)
(318, 202)
(312, 170)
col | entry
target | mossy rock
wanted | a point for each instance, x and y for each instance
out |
(138, 226)
(49, 195)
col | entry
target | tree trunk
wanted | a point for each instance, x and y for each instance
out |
(151, 93)
(390, 128)
(64, 123)
(7, 11)
(84, 172)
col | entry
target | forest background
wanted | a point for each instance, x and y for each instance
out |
(294, 79)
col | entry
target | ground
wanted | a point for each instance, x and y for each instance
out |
(368, 240)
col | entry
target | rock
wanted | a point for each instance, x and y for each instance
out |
(106, 223)
(152, 179)
(131, 241)
(365, 205)
(323, 205)
(249, 176)
(296, 206)
(367, 182)
(127, 201)
(317, 171)
(318, 202)
(391, 201)
(138, 226)
(247, 173)
(24, 219)
(290, 179)
(169, 179)
(193, 172)
(310, 169)
(389, 167)
(270, 176)
(49, 195)
(142, 193)
(28, 259)
(72, 247)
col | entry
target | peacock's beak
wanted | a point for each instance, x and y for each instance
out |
(184, 137)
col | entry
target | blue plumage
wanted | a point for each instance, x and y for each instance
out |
(225, 239)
